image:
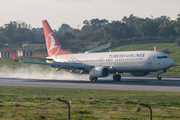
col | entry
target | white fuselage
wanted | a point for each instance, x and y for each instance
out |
(127, 61)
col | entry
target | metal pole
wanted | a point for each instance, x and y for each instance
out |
(68, 107)
(149, 109)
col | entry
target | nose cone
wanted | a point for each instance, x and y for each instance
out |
(170, 63)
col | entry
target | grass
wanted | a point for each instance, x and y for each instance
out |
(41, 103)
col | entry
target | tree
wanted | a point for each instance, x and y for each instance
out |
(86, 22)
(68, 35)
(178, 41)
(162, 19)
(118, 30)
(62, 39)
(133, 21)
(3, 40)
(149, 28)
(38, 32)
(64, 28)
(94, 24)
(75, 32)
(17, 31)
(177, 26)
(168, 29)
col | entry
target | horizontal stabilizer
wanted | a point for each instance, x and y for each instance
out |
(13, 56)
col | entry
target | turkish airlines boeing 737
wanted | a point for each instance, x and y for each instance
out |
(137, 63)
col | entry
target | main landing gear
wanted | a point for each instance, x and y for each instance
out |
(159, 77)
(117, 77)
(93, 78)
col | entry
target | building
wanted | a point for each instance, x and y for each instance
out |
(22, 53)
(4, 54)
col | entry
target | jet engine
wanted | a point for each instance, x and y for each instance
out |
(99, 72)
(139, 73)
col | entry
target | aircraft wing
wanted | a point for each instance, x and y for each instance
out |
(40, 58)
(58, 64)
(61, 64)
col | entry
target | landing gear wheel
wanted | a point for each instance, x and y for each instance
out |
(92, 78)
(95, 79)
(159, 77)
(116, 77)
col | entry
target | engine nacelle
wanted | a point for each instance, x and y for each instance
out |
(139, 73)
(99, 72)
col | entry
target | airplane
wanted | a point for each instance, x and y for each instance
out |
(102, 64)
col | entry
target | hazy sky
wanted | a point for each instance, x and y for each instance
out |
(74, 12)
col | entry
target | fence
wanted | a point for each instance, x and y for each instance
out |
(48, 108)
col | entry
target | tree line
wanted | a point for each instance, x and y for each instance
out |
(99, 30)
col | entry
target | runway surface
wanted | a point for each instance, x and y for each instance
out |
(149, 83)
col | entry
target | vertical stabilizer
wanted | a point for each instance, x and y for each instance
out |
(54, 48)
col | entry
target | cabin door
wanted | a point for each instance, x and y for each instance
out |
(150, 59)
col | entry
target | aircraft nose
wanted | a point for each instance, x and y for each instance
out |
(170, 63)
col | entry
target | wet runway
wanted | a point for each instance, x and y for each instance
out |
(149, 83)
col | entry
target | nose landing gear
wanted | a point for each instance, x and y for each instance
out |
(159, 72)
(159, 77)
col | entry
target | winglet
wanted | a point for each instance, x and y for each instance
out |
(13, 56)
(155, 48)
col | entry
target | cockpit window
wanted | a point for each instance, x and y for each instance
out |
(160, 57)
(165, 56)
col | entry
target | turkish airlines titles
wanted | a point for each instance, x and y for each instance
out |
(127, 55)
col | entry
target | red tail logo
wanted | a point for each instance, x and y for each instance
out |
(54, 48)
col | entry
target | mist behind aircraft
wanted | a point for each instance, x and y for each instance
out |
(34, 73)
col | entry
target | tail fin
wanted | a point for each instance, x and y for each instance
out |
(54, 48)
(155, 48)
